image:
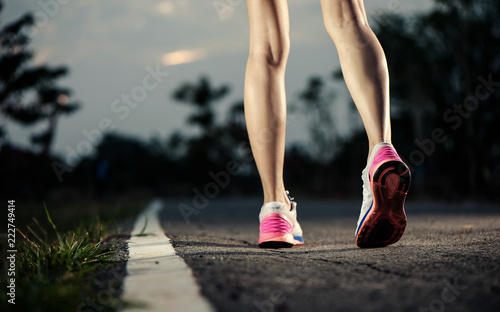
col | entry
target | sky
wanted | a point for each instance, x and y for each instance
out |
(140, 51)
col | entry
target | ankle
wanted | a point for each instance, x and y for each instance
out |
(372, 146)
(278, 198)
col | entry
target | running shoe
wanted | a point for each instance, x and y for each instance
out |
(278, 225)
(386, 180)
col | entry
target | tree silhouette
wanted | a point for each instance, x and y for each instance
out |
(316, 103)
(437, 62)
(204, 151)
(202, 96)
(317, 100)
(29, 94)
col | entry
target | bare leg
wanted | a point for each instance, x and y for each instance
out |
(363, 64)
(265, 102)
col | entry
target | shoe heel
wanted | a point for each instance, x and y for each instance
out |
(275, 232)
(387, 221)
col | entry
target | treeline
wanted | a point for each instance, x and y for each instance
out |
(445, 80)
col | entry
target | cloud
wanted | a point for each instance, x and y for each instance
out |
(183, 56)
(166, 8)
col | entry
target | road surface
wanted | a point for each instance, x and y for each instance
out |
(448, 259)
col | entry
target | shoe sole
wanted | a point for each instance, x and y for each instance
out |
(275, 245)
(278, 244)
(386, 222)
(278, 241)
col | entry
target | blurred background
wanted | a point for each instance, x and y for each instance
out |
(126, 98)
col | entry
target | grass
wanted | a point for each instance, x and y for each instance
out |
(76, 251)
(55, 269)
(143, 228)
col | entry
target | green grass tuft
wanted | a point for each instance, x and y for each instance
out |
(72, 252)
(54, 269)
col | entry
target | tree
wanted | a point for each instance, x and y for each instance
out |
(203, 97)
(28, 93)
(317, 101)
(204, 150)
(440, 64)
(324, 143)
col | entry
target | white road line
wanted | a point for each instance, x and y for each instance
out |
(158, 279)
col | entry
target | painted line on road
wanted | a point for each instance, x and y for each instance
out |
(158, 279)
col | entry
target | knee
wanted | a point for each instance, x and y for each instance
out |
(271, 54)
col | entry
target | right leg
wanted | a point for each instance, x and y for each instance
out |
(363, 64)
(386, 178)
(265, 103)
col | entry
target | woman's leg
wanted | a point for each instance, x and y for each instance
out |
(265, 103)
(386, 178)
(363, 64)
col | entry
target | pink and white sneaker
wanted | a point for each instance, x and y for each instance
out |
(386, 180)
(278, 225)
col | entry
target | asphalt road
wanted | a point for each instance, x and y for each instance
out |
(448, 259)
